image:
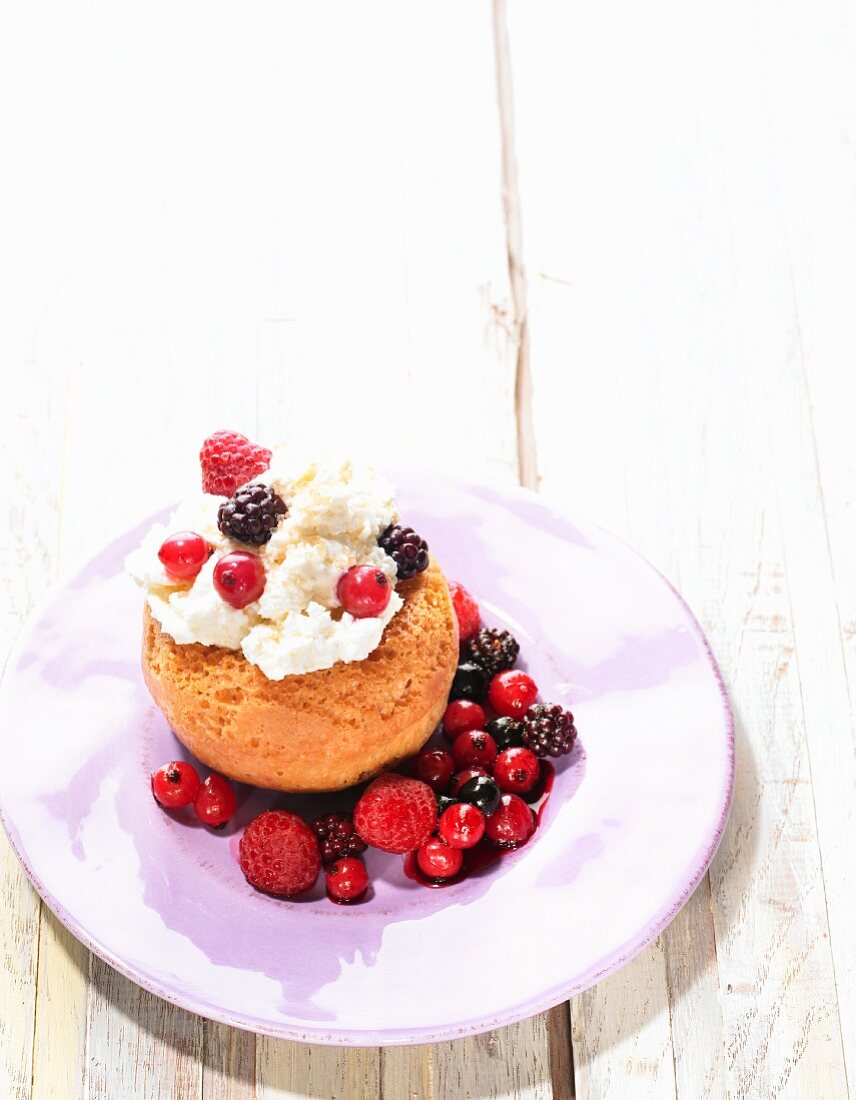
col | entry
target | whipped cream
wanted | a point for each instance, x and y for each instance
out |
(335, 513)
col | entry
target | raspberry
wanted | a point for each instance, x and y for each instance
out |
(229, 460)
(395, 813)
(215, 802)
(512, 692)
(466, 611)
(549, 730)
(512, 824)
(279, 854)
(175, 784)
(493, 650)
(337, 838)
(347, 880)
(251, 514)
(407, 550)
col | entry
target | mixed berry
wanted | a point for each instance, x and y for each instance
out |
(177, 784)
(250, 515)
(364, 591)
(458, 806)
(407, 549)
(337, 837)
(182, 555)
(239, 578)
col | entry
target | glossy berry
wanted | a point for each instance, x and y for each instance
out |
(337, 837)
(494, 650)
(175, 784)
(347, 880)
(215, 802)
(482, 791)
(182, 555)
(516, 770)
(239, 578)
(407, 550)
(466, 611)
(470, 683)
(462, 825)
(507, 732)
(462, 777)
(437, 860)
(512, 693)
(435, 767)
(549, 730)
(461, 715)
(364, 591)
(444, 801)
(228, 460)
(396, 813)
(251, 514)
(278, 853)
(474, 748)
(512, 823)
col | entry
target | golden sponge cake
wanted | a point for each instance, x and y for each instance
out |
(319, 731)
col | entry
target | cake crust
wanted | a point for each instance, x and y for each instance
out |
(318, 731)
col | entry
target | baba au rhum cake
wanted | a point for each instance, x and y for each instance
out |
(295, 636)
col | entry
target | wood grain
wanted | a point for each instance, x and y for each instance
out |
(31, 432)
(643, 326)
(809, 151)
(625, 236)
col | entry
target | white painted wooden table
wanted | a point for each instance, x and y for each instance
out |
(627, 276)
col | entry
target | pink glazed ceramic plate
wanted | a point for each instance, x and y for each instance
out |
(634, 819)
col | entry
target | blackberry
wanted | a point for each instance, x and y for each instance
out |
(548, 730)
(470, 682)
(337, 838)
(407, 549)
(251, 514)
(494, 650)
(507, 732)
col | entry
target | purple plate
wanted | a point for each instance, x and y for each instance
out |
(634, 819)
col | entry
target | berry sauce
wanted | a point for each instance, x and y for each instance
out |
(485, 854)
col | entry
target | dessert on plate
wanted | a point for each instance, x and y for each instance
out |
(298, 638)
(295, 636)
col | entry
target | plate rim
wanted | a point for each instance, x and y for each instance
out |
(349, 1037)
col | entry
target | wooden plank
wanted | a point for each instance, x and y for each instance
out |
(323, 1073)
(452, 347)
(228, 1063)
(136, 1044)
(660, 329)
(620, 1032)
(807, 74)
(382, 270)
(31, 432)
